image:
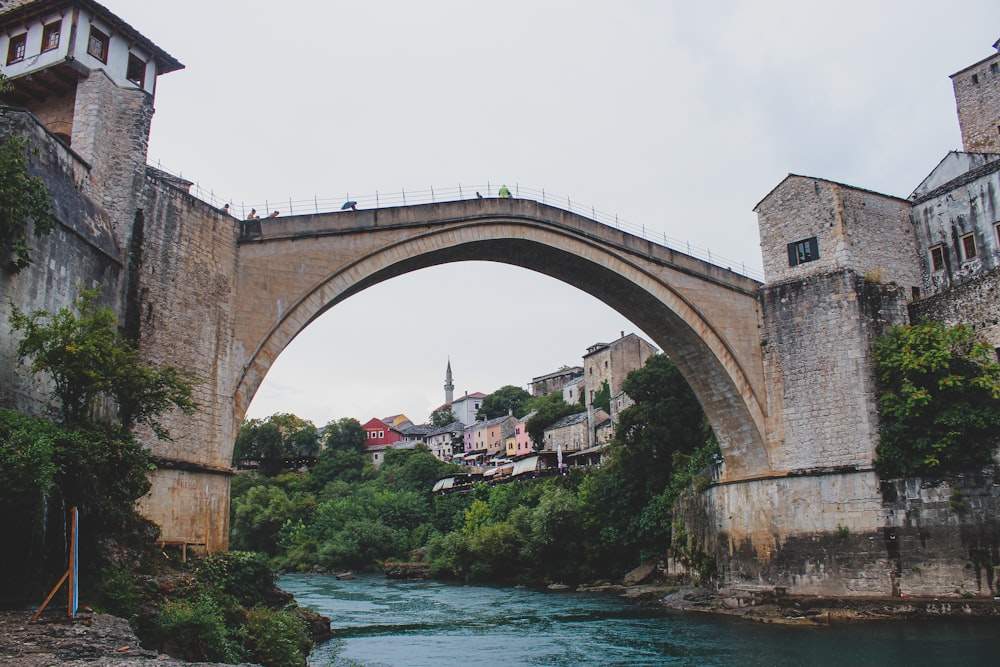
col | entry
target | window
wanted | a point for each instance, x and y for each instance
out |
(996, 231)
(381, 434)
(995, 68)
(136, 72)
(969, 246)
(975, 79)
(937, 258)
(803, 251)
(98, 45)
(15, 50)
(50, 36)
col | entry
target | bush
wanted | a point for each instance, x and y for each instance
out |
(118, 593)
(246, 576)
(195, 631)
(276, 638)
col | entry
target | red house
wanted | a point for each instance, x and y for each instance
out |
(377, 432)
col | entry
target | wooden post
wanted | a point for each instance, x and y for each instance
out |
(71, 573)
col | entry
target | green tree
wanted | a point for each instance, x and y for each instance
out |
(24, 201)
(276, 440)
(88, 359)
(346, 433)
(443, 416)
(940, 400)
(548, 410)
(505, 400)
(665, 424)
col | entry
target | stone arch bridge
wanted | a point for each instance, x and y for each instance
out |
(292, 269)
(224, 298)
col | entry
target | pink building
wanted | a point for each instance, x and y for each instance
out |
(522, 441)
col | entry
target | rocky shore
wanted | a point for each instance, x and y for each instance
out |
(90, 640)
(768, 606)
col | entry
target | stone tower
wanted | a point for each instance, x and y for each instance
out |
(977, 96)
(90, 79)
(449, 386)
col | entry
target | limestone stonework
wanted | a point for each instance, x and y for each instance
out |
(816, 334)
(853, 228)
(977, 96)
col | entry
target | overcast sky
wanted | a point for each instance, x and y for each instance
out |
(677, 116)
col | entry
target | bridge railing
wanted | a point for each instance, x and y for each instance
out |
(432, 195)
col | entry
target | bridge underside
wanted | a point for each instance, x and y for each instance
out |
(703, 317)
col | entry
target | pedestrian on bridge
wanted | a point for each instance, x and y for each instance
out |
(504, 192)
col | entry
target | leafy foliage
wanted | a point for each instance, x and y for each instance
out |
(245, 576)
(87, 359)
(24, 200)
(548, 410)
(344, 514)
(505, 400)
(443, 416)
(602, 397)
(276, 442)
(940, 400)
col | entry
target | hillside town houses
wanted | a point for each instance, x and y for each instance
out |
(496, 444)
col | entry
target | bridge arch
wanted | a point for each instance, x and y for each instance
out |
(699, 315)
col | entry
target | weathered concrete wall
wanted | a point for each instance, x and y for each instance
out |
(816, 335)
(977, 96)
(967, 205)
(845, 533)
(80, 252)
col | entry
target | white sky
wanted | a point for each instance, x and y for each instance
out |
(679, 116)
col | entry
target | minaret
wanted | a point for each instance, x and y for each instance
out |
(449, 388)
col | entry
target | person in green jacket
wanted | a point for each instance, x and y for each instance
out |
(504, 192)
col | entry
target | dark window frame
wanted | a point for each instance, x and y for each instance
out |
(98, 44)
(937, 257)
(17, 48)
(801, 252)
(966, 238)
(136, 70)
(51, 30)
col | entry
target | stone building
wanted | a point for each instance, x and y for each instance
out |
(574, 433)
(977, 97)
(811, 226)
(544, 385)
(612, 362)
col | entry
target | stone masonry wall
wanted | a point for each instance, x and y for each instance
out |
(182, 304)
(977, 96)
(975, 303)
(847, 534)
(816, 335)
(855, 229)
(79, 253)
(111, 132)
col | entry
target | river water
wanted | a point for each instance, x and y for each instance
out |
(385, 623)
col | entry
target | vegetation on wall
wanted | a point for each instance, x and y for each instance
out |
(89, 459)
(939, 401)
(89, 362)
(25, 202)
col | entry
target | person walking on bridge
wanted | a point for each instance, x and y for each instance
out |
(504, 192)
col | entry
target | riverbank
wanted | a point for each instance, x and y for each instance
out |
(768, 606)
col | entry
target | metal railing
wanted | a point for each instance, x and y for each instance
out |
(431, 195)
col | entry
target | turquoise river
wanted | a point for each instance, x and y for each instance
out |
(383, 623)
